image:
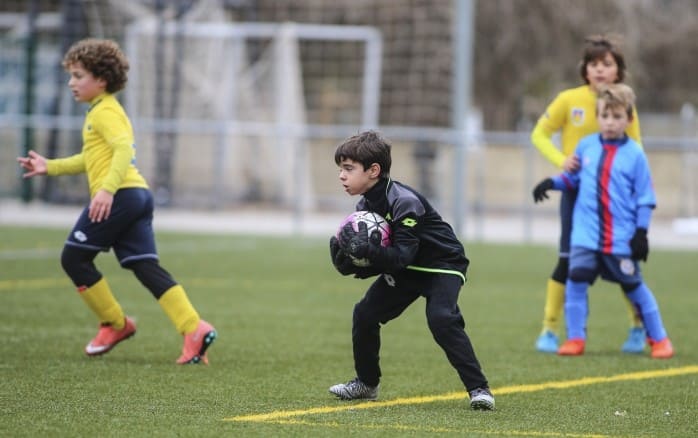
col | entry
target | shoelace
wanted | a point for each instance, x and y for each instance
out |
(478, 391)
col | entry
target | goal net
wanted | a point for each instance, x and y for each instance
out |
(220, 108)
(225, 122)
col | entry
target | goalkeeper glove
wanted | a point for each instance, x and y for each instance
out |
(540, 191)
(358, 244)
(341, 261)
(639, 245)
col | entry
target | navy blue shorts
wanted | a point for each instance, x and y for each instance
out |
(567, 201)
(618, 269)
(129, 228)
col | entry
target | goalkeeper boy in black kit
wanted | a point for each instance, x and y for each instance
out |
(425, 259)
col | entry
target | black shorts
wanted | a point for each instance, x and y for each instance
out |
(567, 201)
(129, 228)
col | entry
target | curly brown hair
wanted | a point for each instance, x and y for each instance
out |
(103, 58)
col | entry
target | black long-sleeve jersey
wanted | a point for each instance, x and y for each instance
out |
(421, 239)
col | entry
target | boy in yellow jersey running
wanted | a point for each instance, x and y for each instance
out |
(572, 113)
(120, 211)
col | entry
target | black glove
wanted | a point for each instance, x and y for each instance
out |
(341, 261)
(639, 245)
(358, 244)
(540, 191)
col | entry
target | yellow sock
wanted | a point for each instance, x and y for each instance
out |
(554, 302)
(178, 308)
(635, 318)
(100, 300)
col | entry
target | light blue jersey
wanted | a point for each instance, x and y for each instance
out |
(615, 197)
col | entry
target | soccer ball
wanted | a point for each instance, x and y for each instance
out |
(373, 221)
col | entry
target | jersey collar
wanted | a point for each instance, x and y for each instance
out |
(614, 141)
(94, 102)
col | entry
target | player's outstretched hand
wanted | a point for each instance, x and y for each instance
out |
(340, 260)
(639, 245)
(33, 163)
(540, 192)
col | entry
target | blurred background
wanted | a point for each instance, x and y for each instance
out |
(239, 104)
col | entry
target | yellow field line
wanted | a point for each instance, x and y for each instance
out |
(514, 389)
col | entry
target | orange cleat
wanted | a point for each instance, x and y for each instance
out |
(661, 349)
(572, 347)
(196, 343)
(107, 337)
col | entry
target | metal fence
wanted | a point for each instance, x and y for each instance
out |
(499, 169)
(245, 137)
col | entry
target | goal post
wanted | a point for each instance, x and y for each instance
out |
(241, 124)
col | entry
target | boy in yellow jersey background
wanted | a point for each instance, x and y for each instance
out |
(120, 212)
(573, 114)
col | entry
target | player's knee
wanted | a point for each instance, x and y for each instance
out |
(74, 260)
(582, 275)
(363, 317)
(442, 318)
(629, 287)
(561, 270)
(77, 264)
(359, 315)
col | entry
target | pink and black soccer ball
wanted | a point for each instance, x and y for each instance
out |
(373, 222)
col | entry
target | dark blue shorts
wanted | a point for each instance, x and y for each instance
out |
(129, 228)
(567, 201)
(618, 269)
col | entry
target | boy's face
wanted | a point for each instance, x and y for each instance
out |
(613, 120)
(83, 84)
(355, 179)
(602, 71)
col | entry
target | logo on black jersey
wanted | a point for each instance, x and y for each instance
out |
(409, 222)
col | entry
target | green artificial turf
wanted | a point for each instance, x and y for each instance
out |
(284, 321)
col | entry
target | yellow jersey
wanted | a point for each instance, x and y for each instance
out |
(108, 151)
(573, 113)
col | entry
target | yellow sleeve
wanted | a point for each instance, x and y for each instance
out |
(116, 134)
(633, 129)
(550, 122)
(542, 139)
(66, 166)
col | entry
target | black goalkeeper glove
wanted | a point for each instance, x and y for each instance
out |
(359, 244)
(540, 191)
(639, 245)
(341, 261)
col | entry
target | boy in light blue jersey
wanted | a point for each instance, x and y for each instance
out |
(572, 115)
(610, 221)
